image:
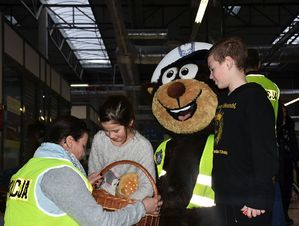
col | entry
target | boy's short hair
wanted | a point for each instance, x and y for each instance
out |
(233, 47)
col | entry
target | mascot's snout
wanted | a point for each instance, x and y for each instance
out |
(176, 90)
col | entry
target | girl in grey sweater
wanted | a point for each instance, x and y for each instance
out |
(119, 141)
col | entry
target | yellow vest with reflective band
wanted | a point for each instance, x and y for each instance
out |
(22, 206)
(271, 88)
(159, 157)
(203, 194)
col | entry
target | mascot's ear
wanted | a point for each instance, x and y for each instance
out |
(151, 88)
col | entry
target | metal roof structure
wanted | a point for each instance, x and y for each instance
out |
(75, 20)
(115, 45)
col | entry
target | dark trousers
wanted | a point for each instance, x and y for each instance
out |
(278, 218)
(232, 216)
(286, 183)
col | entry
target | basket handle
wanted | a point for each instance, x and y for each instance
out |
(121, 162)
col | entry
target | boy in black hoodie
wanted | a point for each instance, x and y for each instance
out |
(245, 153)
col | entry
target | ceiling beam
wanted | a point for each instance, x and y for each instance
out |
(128, 70)
(65, 50)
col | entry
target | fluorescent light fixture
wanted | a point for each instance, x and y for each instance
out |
(201, 10)
(291, 102)
(79, 85)
(273, 64)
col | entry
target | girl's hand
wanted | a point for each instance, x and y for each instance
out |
(95, 179)
(152, 205)
(250, 212)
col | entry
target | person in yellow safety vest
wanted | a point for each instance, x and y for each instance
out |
(24, 192)
(203, 195)
(252, 75)
(52, 187)
(273, 94)
(271, 88)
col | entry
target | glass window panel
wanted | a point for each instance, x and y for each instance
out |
(292, 40)
(83, 35)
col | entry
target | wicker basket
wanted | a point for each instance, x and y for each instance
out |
(112, 203)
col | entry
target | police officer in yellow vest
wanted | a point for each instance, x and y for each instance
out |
(25, 195)
(252, 75)
(203, 195)
(52, 188)
(273, 93)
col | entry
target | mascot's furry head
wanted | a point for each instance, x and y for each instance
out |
(183, 101)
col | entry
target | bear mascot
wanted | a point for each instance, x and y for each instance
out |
(184, 102)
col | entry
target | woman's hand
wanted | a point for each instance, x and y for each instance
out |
(250, 212)
(95, 179)
(152, 205)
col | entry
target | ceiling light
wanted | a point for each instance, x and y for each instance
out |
(291, 102)
(201, 10)
(79, 85)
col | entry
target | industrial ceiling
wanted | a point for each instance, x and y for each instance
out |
(137, 34)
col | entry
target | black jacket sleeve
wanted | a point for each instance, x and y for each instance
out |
(264, 153)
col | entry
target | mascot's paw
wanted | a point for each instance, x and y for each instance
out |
(128, 184)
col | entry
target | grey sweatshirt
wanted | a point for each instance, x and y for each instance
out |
(138, 149)
(66, 189)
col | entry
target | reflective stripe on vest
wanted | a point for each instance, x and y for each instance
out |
(203, 195)
(159, 158)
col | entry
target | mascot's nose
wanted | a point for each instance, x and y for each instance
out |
(176, 90)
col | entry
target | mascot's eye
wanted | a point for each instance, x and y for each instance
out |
(188, 71)
(169, 75)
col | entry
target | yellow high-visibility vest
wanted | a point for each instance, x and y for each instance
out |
(203, 194)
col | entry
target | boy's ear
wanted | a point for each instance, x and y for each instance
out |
(229, 62)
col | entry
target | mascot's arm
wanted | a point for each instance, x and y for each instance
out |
(147, 161)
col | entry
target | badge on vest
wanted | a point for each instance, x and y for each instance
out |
(158, 157)
(272, 95)
(18, 189)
